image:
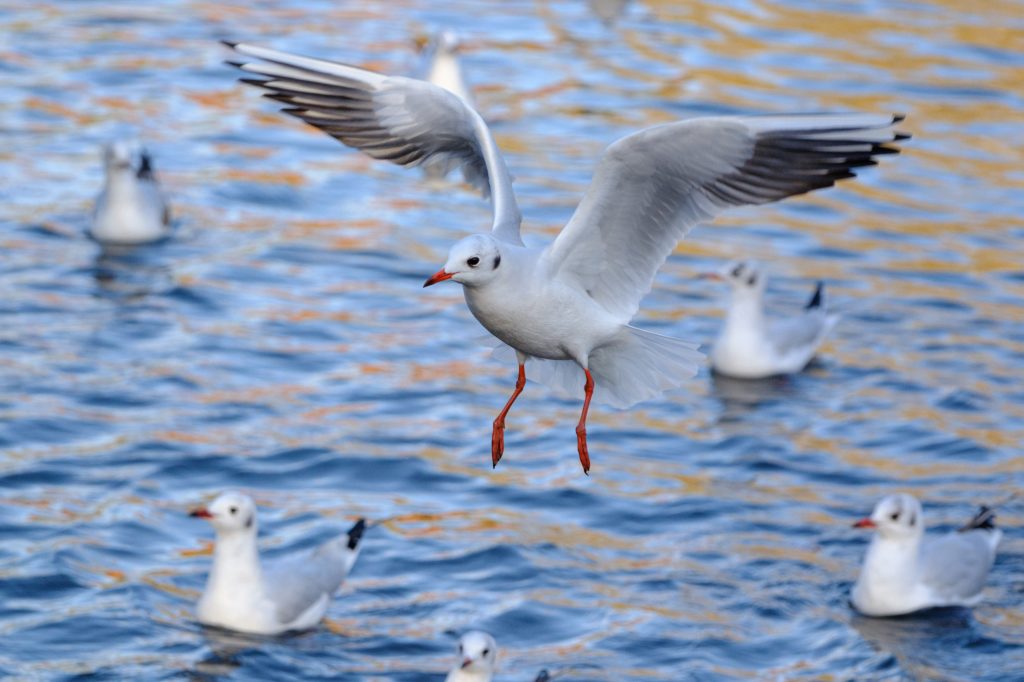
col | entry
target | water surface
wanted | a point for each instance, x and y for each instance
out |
(282, 344)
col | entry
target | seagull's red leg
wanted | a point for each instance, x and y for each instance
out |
(581, 428)
(498, 432)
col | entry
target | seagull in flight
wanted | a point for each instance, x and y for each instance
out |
(567, 307)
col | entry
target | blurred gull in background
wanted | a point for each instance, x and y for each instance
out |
(130, 209)
(445, 70)
(751, 346)
(292, 594)
(568, 306)
(904, 571)
(478, 654)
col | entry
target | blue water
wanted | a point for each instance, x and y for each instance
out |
(282, 344)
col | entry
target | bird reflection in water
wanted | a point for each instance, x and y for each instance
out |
(913, 640)
(225, 647)
(739, 396)
(128, 273)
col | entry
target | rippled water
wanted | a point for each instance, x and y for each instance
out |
(282, 344)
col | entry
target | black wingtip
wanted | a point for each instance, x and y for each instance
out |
(232, 62)
(985, 519)
(355, 534)
(229, 43)
(815, 301)
(902, 136)
(896, 118)
(543, 676)
(145, 171)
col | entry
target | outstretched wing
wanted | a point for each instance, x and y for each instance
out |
(403, 120)
(651, 187)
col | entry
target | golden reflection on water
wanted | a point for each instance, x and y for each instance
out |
(910, 59)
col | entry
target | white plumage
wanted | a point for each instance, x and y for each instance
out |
(478, 655)
(751, 345)
(570, 304)
(130, 209)
(291, 593)
(905, 571)
(444, 69)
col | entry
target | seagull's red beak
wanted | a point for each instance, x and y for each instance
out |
(865, 523)
(466, 662)
(438, 276)
(201, 513)
(710, 275)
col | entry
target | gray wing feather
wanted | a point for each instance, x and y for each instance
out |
(955, 566)
(801, 334)
(296, 583)
(650, 188)
(403, 120)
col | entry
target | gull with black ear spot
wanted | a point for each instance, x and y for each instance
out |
(752, 345)
(567, 307)
(478, 655)
(290, 593)
(905, 571)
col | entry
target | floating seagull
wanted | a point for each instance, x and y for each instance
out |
(905, 572)
(131, 209)
(478, 653)
(292, 593)
(568, 306)
(444, 69)
(750, 346)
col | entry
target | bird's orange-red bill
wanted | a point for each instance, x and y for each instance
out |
(438, 276)
(864, 523)
(201, 514)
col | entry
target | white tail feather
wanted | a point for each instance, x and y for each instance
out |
(636, 366)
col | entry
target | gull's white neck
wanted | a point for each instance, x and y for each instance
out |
(122, 185)
(446, 72)
(892, 555)
(889, 575)
(236, 564)
(746, 314)
(460, 675)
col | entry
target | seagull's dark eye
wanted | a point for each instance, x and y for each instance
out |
(738, 270)
(752, 281)
(473, 262)
(486, 651)
(233, 510)
(895, 516)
